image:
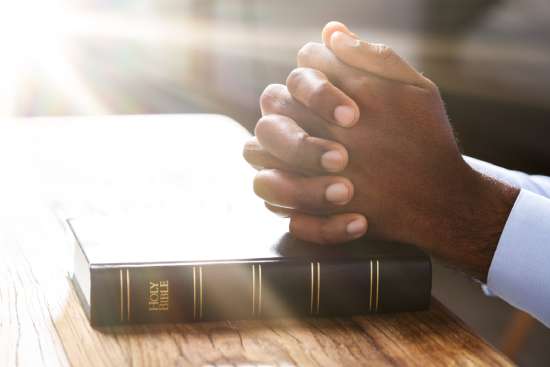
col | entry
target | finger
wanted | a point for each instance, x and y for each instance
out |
(277, 100)
(279, 210)
(318, 56)
(259, 158)
(308, 194)
(347, 78)
(332, 27)
(285, 140)
(312, 88)
(337, 228)
(395, 67)
(375, 58)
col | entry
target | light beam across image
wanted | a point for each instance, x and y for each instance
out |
(33, 44)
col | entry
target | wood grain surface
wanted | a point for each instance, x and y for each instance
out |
(56, 168)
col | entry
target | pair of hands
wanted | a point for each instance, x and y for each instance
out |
(358, 142)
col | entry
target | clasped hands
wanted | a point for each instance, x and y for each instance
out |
(358, 143)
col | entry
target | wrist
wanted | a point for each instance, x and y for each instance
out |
(476, 223)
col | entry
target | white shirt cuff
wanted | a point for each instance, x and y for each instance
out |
(520, 269)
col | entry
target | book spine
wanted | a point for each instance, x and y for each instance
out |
(228, 291)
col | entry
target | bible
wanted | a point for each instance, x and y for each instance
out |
(225, 264)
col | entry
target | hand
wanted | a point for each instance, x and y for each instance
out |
(402, 169)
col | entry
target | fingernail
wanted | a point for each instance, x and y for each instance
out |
(357, 227)
(337, 193)
(345, 39)
(345, 115)
(333, 161)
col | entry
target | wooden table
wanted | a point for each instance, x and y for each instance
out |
(54, 168)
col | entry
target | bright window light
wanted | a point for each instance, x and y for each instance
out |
(31, 27)
(33, 44)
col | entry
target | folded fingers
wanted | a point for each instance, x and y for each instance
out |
(283, 138)
(319, 194)
(317, 56)
(324, 230)
(276, 99)
(333, 229)
(259, 158)
(313, 90)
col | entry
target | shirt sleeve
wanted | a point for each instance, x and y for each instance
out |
(534, 183)
(520, 269)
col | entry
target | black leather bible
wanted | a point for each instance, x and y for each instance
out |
(204, 266)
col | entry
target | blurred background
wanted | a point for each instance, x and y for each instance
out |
(490, 58)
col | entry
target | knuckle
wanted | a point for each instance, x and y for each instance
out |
(247, 153)
(363, 81)
(265, 183)
(295, 151)
(310, 195)
(252, 152)
(385, 52)
(301, 141)
(326, 235)
(262, 124)
(301, 138)
(301, 153)
(251, 145)
(432, 87)
(427, 90)
(302, 199)
(310, 87)
(306, 51)
(302, 194)
(257, 184)
(295, 78)
(319, 91)
(270, 97)
(316, 94)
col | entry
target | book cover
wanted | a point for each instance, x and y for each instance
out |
(215, 265)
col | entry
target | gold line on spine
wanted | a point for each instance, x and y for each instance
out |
(311, 293)
(194, 294)
(370, 299)
(259, 289)
(128, 292)
(121, 296)
(318, 285)
(200, 287)
(253, 289)
(377, 283)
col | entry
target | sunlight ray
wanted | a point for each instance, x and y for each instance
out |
(66, 79)
(33, 35)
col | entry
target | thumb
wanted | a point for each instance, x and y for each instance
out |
(332, 27)
(375, 58)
